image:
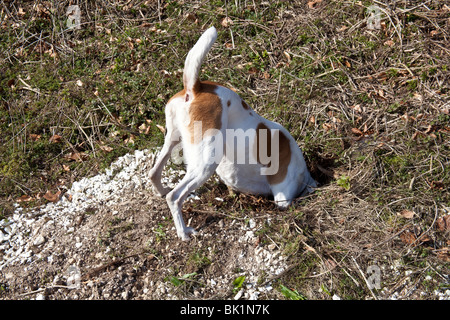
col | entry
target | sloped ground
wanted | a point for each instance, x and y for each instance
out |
(122, 245)
(369, 107)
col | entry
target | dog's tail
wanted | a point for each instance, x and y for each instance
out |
(195, 58)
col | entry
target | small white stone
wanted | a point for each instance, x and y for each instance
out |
(239, 294)
(39, 240)
(40, 296)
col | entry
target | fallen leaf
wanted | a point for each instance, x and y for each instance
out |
(11, 83)
(66, 168)
(389, 43)
(443, 223)
(357, 131)
(130, 139)
(192, 17)
(35, 137)
(312, 4)
(444, 254)
(161, 128)
(55, 139)
(358, 108)
(79, 83)
(407, 214)
(76, 156)
(288, 56)
(52, 197)
(327, 126)
(106, 148)
(437, 185)
(408, 237)
(24, 198)
(252, 70)
(226, 22)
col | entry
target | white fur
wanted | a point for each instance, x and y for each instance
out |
(202, 158)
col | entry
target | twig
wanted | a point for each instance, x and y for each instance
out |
(94, 271)
(365, 280)
(46, 288)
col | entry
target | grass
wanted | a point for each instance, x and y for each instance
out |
(369, 108)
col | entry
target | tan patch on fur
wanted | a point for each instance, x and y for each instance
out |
(178, 95)
(206, 107)
(284, 154)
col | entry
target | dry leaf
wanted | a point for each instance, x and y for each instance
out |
(252, 70)
(76, 156)
(443, 223)
(192, 17)
(25, 198)
(66, 168)
(358, 108)
(130, 140)
(437, 185)
(52, 197)
(408, 237)
(327, 126)
(161, 128)
(226, 22)
(444, 254)
(35, 137)
(55, 139)
(11, 83)
(288, 56)
(357, 131)
(389, 43)
(312, 4)
(79, 83)
(407, 214)
(106, 148)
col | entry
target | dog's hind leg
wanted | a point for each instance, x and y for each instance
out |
(194, 178)
(170, 142)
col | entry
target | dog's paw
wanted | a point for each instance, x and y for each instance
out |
(162, 191)
(186, 233)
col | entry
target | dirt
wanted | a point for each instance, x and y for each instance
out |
(130, 251)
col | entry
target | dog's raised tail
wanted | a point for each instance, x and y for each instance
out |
(195, 58)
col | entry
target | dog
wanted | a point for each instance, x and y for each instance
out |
(210, 119)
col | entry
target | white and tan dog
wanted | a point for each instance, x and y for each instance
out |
(220, 133)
